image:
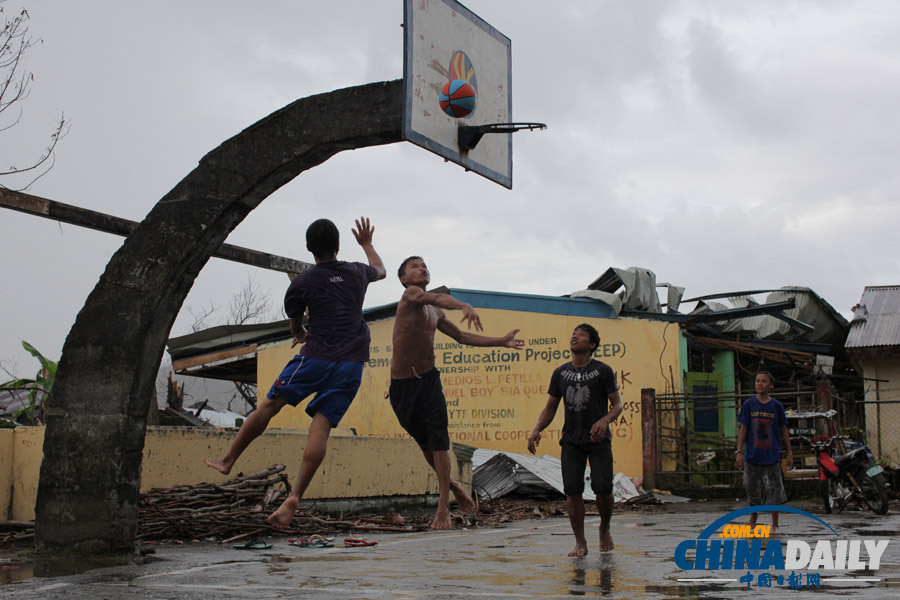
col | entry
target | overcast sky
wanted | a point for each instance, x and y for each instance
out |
(725, 146)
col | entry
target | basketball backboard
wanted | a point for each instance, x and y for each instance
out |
(445, 41)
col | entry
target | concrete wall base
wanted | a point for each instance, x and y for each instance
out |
(357, 473)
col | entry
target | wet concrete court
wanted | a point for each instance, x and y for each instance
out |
(526, 559)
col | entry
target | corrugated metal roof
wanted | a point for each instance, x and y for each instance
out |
(496, 473)
(876, 320)
(828, 326)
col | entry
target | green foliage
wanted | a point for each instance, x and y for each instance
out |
(856, 434)
(32, 390)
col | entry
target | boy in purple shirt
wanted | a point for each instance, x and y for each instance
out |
(329, 363)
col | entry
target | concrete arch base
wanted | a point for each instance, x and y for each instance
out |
(90, 477)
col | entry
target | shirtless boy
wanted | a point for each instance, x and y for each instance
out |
(416, 393)
(330, 362)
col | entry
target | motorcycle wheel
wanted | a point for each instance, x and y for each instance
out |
(873, 493)
(826, 491)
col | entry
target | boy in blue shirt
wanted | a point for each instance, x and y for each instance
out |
(764, 429)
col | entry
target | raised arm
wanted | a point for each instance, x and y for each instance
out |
(450, 329)
(363, 234)
(544, 420)
(416, 295)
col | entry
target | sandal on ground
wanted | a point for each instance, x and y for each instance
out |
(315, 541)
(254, 544)
(358, 541)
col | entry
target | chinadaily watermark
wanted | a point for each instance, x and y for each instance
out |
(777, 561)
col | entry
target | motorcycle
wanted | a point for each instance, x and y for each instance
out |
(850, 476)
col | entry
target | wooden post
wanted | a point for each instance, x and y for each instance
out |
(648, 437)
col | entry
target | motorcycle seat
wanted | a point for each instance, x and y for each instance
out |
(845, 458)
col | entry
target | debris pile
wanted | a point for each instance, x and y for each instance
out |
(496, 473)
(16, 533)
(238, 508)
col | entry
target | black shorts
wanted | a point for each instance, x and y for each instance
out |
(574, 458)
(421, 409)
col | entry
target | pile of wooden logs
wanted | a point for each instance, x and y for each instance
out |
(238, 508)
(16, 533)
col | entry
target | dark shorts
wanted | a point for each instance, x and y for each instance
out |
(574, 458)
(764, 484)
(421, 409)
(334, 384)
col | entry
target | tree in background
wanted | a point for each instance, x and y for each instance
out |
(31, 393)
(251, 304)
(15, 83)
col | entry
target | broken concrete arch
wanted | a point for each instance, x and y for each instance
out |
(90, 476)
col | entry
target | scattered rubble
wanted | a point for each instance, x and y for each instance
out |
(237, 509)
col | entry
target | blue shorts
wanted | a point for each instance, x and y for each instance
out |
(334, 384)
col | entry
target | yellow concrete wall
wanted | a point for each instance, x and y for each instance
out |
(7, 460)
(354, 467)
(26, 470)
(495, 402)
(883, 420)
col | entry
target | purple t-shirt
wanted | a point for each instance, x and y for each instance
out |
(334, 293)
(585, 392)
(762, 446)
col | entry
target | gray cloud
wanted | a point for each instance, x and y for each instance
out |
(725, 146)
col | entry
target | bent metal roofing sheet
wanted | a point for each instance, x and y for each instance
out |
(876, 319)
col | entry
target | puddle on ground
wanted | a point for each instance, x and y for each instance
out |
(873, 533)
(312, 558)
(14, 571)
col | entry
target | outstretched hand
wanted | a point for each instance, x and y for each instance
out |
(472, 317)
(363, 232)
(510, 340)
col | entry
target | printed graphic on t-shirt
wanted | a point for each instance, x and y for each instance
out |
(579, 376)
(577, 398)
(762, 423)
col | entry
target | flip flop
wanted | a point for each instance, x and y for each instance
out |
(254, 544)
(319, 541)
(315, 541)
(358, 541)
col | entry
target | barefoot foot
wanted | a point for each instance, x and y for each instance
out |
(606, 541)
(282, 517)
(465, 503)
(580, 550)
(218, 465)
(441, 520)
(463, 500)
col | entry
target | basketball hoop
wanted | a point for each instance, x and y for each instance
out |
(470, 135)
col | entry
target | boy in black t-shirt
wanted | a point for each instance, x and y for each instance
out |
(591, 403)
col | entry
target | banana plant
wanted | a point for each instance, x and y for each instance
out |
(34, 391)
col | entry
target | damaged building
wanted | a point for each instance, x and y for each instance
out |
(682, 373)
